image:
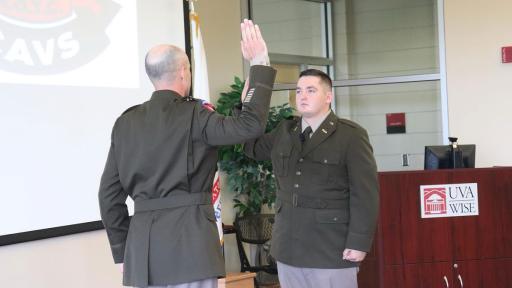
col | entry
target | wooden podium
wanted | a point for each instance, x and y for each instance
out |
(470, 251)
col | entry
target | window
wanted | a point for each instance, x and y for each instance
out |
(384, 56)
(292, 27)
(368, 105)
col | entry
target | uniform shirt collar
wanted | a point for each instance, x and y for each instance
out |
(165, 94)
(314, 126)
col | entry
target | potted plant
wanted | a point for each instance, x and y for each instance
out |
(252, 181)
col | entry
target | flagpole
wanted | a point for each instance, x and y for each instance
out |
(201, 92)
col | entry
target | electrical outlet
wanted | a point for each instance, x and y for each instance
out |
(405, 160)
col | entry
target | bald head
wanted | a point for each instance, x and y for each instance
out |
(165, 65)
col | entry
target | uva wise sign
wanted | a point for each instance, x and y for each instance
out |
(449, 200)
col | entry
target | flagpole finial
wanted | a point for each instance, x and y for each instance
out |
(191, 2)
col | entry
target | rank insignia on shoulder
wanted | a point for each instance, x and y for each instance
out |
(189, 98)
(207, 105)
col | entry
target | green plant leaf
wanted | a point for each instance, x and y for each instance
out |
(252, 182)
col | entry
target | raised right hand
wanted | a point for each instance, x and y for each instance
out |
(254, 48)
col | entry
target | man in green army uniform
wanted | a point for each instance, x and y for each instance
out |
(327, 198)
(163, 155)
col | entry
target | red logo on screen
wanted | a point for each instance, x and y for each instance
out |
(52, 36)
(434, 200)
(33, 11)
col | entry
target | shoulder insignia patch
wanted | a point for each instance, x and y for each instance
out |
(207, 105)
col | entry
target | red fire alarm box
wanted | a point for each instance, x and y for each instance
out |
(395, 123)
(506, 54)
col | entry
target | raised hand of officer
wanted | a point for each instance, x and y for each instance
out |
(254, 48)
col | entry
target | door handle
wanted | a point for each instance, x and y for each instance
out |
(460, 280)
(446, 282)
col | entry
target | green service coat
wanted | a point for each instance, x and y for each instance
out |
(163, 155)
(327, 198)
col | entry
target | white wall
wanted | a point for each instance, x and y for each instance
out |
(479, 90)
(220, 24)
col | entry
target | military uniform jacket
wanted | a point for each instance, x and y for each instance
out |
(327, 198)
(163, 155)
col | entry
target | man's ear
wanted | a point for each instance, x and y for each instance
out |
(329, 97)
(182, 72)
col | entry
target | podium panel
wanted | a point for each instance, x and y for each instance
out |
(411, 251)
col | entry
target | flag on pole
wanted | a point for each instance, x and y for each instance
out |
(217, 206)
(201, 91)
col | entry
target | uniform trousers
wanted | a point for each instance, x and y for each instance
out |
(296, 277)
(206, 283)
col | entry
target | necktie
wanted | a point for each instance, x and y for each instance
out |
(304, 136)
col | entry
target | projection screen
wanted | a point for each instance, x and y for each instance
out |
(68, 69)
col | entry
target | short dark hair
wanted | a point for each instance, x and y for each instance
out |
(317, 73)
